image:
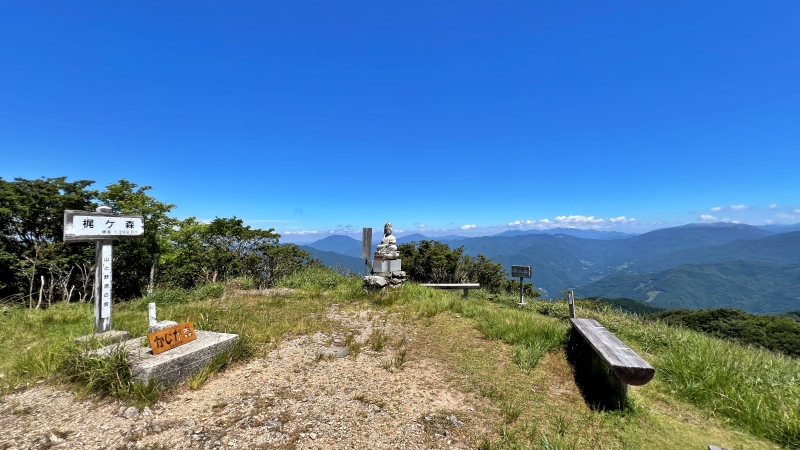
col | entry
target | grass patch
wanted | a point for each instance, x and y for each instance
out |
(105, 376)
(377, 340)
(396, 362)
(240, 350)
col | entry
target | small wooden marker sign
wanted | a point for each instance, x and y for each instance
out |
(169, 338)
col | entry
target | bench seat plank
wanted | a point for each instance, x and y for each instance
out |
(624, 362)
(452, 285)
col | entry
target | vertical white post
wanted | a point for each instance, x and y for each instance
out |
(102, 282)
(521, 292)
(102, 287)
(151, 314)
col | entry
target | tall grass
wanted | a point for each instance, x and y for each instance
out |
(752, 389)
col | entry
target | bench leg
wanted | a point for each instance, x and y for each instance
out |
(620, 390)
(466, 293)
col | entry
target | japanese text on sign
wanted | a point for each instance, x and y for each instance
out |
(521, 271)
(169, 338)
(110, 226)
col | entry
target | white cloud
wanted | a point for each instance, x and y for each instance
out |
(796, 211)
(708, 218)
(784, 216)
(468, 227)
(729, 208)
(773, 206)
(621, 219)
(573, 221)
(302, 232)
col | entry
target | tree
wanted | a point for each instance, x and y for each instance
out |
(430, 261)
(32, 227)
(226, 249)
(140, 254)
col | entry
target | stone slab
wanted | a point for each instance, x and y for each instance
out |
(178, 364)
(333, 352)
(112, 336)
(161, 325)
(389, 265)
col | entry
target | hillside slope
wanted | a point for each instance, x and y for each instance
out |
(750, 286)
(778, 249)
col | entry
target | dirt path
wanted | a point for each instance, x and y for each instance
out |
(288, 399)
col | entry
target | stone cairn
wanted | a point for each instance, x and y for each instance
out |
(386, 269)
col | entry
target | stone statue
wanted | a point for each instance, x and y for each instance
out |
(387, 249)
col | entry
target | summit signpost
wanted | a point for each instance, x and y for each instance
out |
(521, 272)
(101, 227)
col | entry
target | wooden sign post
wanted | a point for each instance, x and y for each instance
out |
(521, 272)
(571, 302)
(366, 247)
(101, 227)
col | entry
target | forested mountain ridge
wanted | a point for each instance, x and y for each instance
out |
(747, 285)
(779, 249)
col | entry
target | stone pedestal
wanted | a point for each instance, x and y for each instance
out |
(385, 272)
(385, 265)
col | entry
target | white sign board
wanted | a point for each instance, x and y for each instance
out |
(91, 226)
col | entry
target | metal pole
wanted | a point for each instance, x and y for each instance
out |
(521, 295)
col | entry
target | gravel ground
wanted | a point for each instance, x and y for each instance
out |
(288, 399)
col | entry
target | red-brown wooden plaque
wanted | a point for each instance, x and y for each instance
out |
(169, 338)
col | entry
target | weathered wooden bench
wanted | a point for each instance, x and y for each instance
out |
(625, 364)
(465, 286)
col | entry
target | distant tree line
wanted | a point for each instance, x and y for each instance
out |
(776, 333)
(38, 268)
(431, 261)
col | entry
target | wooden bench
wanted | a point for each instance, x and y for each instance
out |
(626, 365)
(465, 286)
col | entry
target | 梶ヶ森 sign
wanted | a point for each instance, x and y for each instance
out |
(84, 226)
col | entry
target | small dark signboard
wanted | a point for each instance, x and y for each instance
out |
(521, 271)
(169, 338)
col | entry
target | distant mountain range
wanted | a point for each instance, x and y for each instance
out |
(750, 286)
(588, 234)
(753, 268)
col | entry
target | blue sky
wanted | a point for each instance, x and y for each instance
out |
(445, 118)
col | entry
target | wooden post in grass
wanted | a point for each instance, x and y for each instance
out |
(571, 301)
(366, 247)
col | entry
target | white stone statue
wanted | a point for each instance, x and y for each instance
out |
(387, 249)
